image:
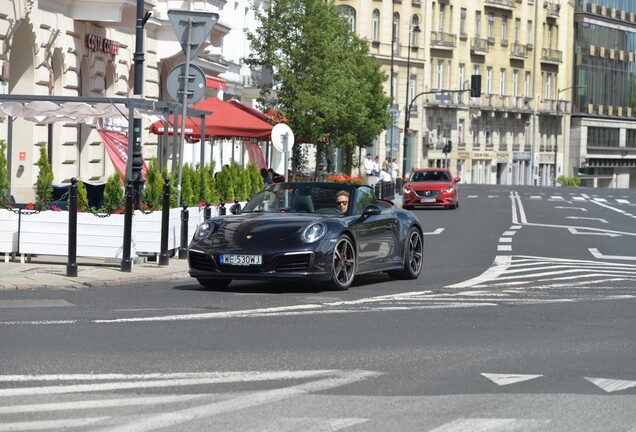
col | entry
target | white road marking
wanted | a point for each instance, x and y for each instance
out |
(50, 424)
(576, 231)
(578, 199)
(622, 201)
(601, 200)
(611, 385)
(557, 198)
(586, 218)
(472, 196)
(509, 233)
(436, 232)
(507, 379)
(505, 239)
(307, 425)
(621, 211)
(504, 248)
(493, 196)
(44, 303)
(535, 197)
(166, 420)
(499, 266)
(492, 425)
(571, 208)
(595, 252)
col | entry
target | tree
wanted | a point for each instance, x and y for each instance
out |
(153, 190)
(44, 184)
(113, 194)
(323, 78)
(5, 186)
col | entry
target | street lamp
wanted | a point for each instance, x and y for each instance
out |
(556, 146)
(393, 111)
(407, 105)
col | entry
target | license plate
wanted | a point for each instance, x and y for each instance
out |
(241, 260)
(427, 200)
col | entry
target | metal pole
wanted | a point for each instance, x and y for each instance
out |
(71, 265)
(126, 262)
(138, 56)
(407, 105)
(184, 101)
(183, 248)
(534, 95)
(165, 222)
(391, 78)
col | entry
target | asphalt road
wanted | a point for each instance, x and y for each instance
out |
(522, 320)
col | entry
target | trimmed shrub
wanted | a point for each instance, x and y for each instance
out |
(44, 184)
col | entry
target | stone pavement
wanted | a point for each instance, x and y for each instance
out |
(49, 272)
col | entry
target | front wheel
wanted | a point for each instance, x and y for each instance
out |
(413, 256)
(209, 283)
(343, 268)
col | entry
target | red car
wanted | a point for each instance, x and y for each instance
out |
(430, 187)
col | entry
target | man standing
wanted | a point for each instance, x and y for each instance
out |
(368, 165)
(395, 169)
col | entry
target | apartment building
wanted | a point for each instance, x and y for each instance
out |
(516, 131)
(603, 148)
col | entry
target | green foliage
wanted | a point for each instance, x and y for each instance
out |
(213, 197)
(255, 179)
(44, 184)
(82, 197)
(174, 177)
(224, 184)
(327, 83)
(239, 181)
(154, 186)
(5, 186)
(188, 177)
(113, 194)
(569, 181)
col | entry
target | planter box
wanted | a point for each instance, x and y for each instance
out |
(8, 233)
(46, 233)
(148, 232)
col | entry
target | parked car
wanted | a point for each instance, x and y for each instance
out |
(430, 187)
(294, 230)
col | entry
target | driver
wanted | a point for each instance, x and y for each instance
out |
(342, 201)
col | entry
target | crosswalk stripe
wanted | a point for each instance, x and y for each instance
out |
(50, 424)
(491, 425)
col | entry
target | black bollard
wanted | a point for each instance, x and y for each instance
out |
(222, 209)
(183, 249)
(126, 261)
(71, 265)
(164, 259)
(207, 212)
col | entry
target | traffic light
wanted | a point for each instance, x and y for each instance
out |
(448, 147)
(475, 85)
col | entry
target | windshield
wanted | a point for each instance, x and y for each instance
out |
(429, 176)
(298, 198)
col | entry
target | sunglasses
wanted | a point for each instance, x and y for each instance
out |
(342, 202)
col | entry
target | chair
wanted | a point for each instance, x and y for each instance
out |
(303, 203)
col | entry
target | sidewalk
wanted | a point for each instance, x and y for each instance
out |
(49, 272)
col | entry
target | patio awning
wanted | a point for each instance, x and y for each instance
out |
(215, 82)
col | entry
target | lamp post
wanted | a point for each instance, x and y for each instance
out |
(556, 145)
(393, 115)
(407, 105)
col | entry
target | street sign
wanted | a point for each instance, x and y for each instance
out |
(192, 87)
(202, 25)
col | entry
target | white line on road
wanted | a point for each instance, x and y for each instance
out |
(492, 425)
(436, 232)
(506, 379)
(571, 208)
(595, 252)
(576, 231)
(611, 385)
(500, 265)
(586, 218)
(50, 424)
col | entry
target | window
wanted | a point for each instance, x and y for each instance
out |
(517, 29)
(461, 76)
(475, 132)
(529, 33)
(439, 75)
(502, 82)
(462, 22)
(548, 86)
(460, 132)
(515, 83)
(489, 80)
(526, 85)
(487, 134)
(412, 87)
(602, 137)
(504, 28)
(477, 24)
(491, 27)
(350, 15)
(415, 22)
(502, 137)
(375, 26)
(396, 27)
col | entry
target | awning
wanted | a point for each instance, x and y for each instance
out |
(116, 144)
(215, 82)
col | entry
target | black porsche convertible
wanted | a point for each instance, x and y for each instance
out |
(294, 230)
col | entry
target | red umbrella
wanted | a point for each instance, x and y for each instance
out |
(226, 120)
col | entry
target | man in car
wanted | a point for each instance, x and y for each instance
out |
(342, 201)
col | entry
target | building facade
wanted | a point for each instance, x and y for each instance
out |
(515, 132)
(87, 48)
(603, 148)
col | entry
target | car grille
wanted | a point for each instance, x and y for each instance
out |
(201, 261)
(241, 269)
(293, 263)
(428, 193)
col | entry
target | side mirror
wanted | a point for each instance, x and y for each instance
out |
(457, 179)
(371, 210)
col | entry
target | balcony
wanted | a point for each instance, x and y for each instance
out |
(553, 10)
(441, 40)
(507, 5)
(518, 51)
(479, 46)
(551, 56)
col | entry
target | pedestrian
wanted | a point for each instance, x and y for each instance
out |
(376, 166)
(368, 165)
(395, 169)
(266, 178)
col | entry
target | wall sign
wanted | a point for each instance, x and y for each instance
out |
(100, 44)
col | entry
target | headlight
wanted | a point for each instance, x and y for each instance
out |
(406, 190)
(206, 229)
(313, 232)
(449, 190)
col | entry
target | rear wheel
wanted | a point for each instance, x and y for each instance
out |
(413, 257)
(214, 283)
(343, 268)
